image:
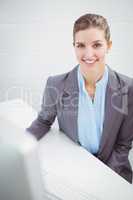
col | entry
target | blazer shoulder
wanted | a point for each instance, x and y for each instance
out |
(57, 81)
(126, 83)
(124, 80)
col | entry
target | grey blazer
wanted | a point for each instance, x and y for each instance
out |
(61, 99)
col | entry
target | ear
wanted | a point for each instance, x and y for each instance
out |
(109, 45)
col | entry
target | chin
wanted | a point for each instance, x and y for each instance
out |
(94, 70)
(89, 67)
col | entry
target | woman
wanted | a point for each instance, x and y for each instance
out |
(93, 103)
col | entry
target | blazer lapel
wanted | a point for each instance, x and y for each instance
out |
(71, 92)
(113, 114)
(71, 83)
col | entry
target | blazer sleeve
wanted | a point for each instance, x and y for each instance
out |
(47, 114)
(118, 160)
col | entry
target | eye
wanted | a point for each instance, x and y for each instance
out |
(80, 45)
(97, 45)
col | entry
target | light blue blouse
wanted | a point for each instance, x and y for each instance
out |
(91, 114)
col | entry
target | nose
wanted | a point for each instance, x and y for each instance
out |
(89, 53)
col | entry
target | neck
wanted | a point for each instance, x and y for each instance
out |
(92, 79)
(90, 83)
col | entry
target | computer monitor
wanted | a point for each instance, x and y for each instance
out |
(20, 177)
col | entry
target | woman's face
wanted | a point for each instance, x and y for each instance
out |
(90, 49)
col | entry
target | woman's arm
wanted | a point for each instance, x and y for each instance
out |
(46, 116)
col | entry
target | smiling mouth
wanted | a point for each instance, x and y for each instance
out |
(89, 61)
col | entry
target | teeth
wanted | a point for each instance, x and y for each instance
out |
(89, 61)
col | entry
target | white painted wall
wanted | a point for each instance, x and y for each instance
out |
(36, 41)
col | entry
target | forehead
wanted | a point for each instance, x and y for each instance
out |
(90, 35)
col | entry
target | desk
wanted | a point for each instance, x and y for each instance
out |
(74, 173)
(68, 171)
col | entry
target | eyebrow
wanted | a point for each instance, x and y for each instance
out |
(92, 42)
